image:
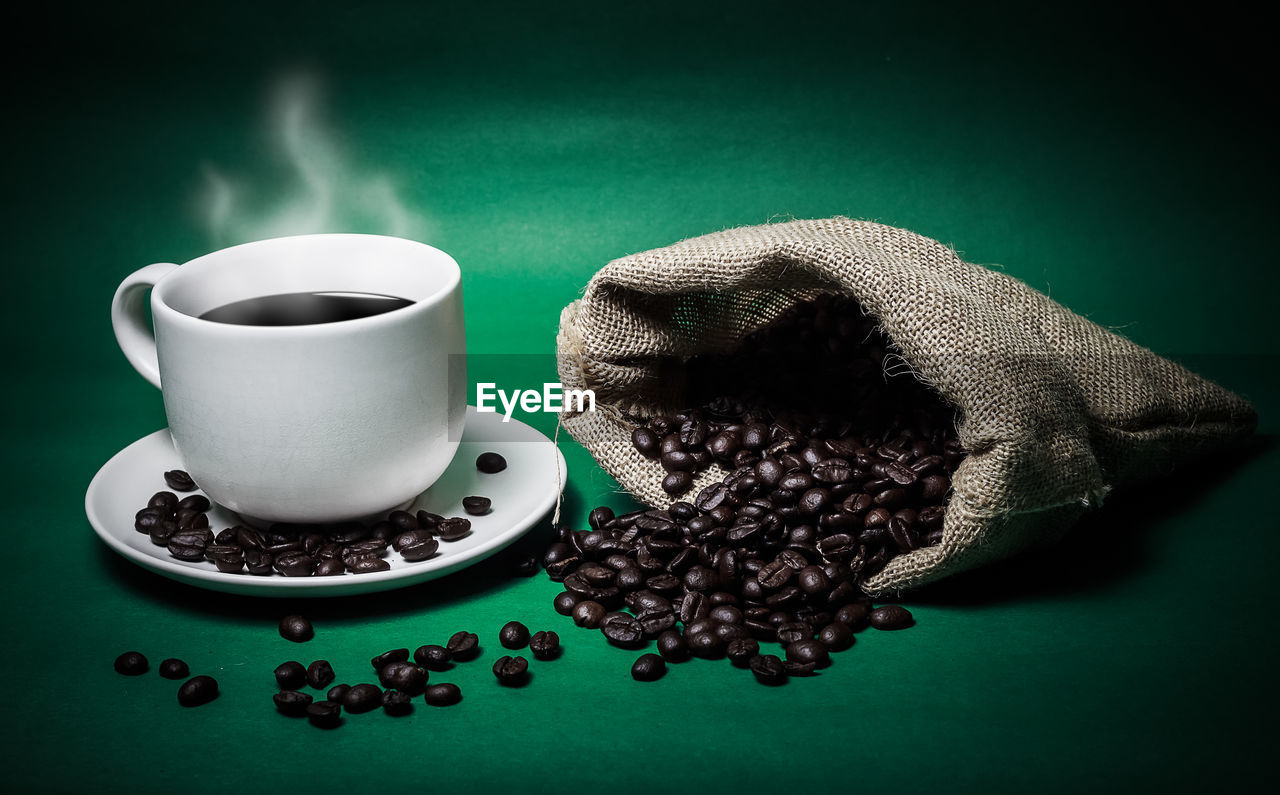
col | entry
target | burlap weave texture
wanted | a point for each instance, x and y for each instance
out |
(1053, 409)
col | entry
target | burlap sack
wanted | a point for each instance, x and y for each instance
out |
(1053, 409)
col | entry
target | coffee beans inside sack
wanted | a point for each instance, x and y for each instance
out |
(841, 395)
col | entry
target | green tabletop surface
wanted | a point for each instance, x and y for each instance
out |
(1122, 161)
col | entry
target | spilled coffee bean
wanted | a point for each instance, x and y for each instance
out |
(463, 645)
(131, 663)
(648, 668)
(490, 463)
(174, 668)
(544, 645)
(291, 675)
(292, 703)
(443, 695)
(511, 671)
(197, 691)
(513, 635)
(476, 506)
(296, 628)
(825, 471)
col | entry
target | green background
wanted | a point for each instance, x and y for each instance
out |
(1116, 160)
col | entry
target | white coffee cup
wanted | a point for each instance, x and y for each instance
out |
(305, 423)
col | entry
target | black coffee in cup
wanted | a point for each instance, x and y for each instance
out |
(304, 309)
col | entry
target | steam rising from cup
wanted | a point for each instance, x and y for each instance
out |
(324, 193)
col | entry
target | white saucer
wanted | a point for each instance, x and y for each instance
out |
(522, 494)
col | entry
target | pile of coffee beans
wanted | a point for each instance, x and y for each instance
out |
(182, 526)
(831, 469)
(401, 676)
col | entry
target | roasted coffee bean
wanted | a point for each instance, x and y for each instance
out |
(131, 663)
(403, 676)
(369, 547)
(320, 674)
(295, 564)
(725, 613)
(794, 631)
(596, 575)
(646, 442)
(174, 668)
(191, 520)
(832, 470)
(388, 657)
(324, 714)
(600, 517)
(673, 647)
(196, 502)
(258, 562)
(544, 645)
(188, 546)
(761, 630)
(648, 668)
(741, 651)
(808, 651)
(291, 675)
(677, 482)
(706, 645)
(784, 597)
(565, 602)
(425, 546)
(891, 617)
(768, 669)
(148, 519)
(165, 502)
(396, 703)
(513, 635)
(490, 463)
(403, 521)
(292, 703)
(625, 632)
(631, 578)
(678, 461)
(463, 646)
(476, 506)
(900, 533)
(197, 690)
(813, 580)
(797, 668)
(656, 622)
(664, 584)
(362, 698)
(836, 636)
(364, 565)
(588, 613)
(443, 695)
(329, 568)
(775, 574)
(935, 487)
(433, 657)
(296, 628)
(179, 480)
(454, 528)
(900, 474)
(338, 692)
(511, 671)
(428, 520)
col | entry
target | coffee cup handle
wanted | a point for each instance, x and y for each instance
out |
(129, 319)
